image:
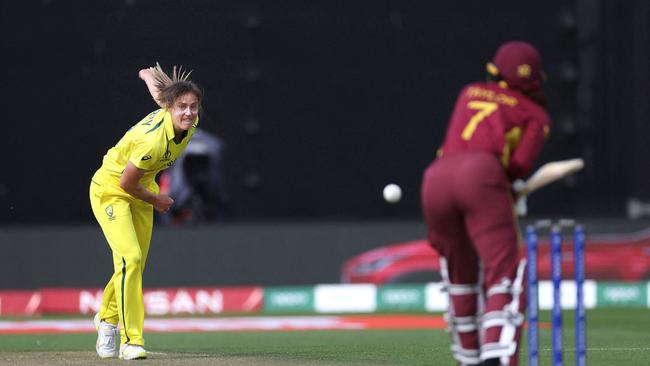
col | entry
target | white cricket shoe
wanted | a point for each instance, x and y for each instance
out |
(107, 334)
(132, 352)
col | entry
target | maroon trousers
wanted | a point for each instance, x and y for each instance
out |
(468, 209)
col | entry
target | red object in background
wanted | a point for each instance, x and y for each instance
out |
(607, 258)
(162, 301)
(19, 302)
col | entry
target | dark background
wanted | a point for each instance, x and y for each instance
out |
(320, 103)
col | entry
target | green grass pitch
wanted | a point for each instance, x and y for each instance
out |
(614, 337)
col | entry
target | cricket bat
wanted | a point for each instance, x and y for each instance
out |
(551, 172)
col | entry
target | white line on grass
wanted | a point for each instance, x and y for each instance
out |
(607, 349)
(179, 354)
(620, 349)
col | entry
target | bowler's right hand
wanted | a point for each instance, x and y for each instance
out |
(163, 203)
(145, 73)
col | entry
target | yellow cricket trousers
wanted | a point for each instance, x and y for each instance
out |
(127, 223)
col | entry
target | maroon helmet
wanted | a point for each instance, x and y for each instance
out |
(519, 64)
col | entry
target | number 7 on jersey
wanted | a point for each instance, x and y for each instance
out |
(484, 110)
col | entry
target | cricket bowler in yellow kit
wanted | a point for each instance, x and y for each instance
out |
(123, 195)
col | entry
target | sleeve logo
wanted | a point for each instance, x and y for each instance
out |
(146, 157)
(109, 212)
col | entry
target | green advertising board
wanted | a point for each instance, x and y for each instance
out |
(289, 299)
(401, 298)
(622, 294)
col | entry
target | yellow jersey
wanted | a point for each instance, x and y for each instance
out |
(149, 145)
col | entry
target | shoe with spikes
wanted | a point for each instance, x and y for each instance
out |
(107, 334)
(132, 352)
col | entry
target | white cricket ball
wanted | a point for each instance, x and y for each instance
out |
(392, 193)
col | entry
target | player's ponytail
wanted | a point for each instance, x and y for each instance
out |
(170, 88)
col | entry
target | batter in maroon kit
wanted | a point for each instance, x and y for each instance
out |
(494, 136)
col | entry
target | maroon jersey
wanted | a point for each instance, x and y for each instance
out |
(499, 121)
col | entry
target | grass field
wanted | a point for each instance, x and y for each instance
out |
(615, 337)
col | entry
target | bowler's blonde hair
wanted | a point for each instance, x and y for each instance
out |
(171, 88)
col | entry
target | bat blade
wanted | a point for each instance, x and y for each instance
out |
(551, 172)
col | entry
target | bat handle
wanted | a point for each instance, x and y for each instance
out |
(519, 186)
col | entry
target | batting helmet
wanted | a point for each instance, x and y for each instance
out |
(519, 64)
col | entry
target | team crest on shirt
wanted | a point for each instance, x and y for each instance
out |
(109, 212)
(523, 71)
(166, 156)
